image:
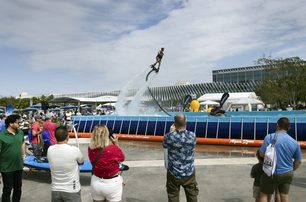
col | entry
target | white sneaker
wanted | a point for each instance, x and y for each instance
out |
(26, 169)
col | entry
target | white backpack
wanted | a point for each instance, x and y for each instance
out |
(270, 159)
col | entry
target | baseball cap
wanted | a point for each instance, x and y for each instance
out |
(49, 116)
(38, 117)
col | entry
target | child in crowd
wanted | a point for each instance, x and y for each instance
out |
(256, 173)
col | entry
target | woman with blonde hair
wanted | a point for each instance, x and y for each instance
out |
(106, 183)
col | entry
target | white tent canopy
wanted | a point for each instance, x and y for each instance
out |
(109, 104)
(245, 100)
(209, 102)
(232, 96)
(105, 98)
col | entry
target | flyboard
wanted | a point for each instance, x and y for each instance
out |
(155, 100)
(218, 110)
(33, 163)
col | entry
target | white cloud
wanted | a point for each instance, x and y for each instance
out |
(117, 40)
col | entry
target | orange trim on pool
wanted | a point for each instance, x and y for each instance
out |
(210, 141)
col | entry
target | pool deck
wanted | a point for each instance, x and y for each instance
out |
(223, 175)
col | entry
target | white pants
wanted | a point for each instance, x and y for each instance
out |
(110, 189)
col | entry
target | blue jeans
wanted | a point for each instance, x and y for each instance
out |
(36, 150)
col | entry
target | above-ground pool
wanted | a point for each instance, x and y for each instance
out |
(235, 125)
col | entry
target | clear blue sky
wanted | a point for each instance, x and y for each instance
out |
(97, 45)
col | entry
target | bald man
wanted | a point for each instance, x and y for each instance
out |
(180, 144)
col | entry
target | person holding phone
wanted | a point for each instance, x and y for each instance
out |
(105, 155)
(180, 144)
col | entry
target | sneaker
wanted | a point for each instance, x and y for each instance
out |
(123, 167)
(26, 169)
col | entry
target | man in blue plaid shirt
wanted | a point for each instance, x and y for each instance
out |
(180, 144)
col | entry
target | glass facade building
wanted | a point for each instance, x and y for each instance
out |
(178, 92)
(243, 79)
(240, 75)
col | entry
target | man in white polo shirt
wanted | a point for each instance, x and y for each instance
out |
(64, 161)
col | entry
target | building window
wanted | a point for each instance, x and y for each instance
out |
(258, 75)
(249, 76)
(227, 77)
(219, 77)
(241, 77)
(234, 77)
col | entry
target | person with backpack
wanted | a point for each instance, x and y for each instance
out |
(47, 143)
(288, 157)
(48, 134)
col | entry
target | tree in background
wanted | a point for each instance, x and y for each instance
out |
(21, 103)
(285, 81)
(6, 101)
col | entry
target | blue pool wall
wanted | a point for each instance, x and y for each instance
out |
(235, 125)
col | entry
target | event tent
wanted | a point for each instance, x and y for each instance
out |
(209, 102)
(243, 100)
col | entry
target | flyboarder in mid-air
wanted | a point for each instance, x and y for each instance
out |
(159, 57)
(156, 69)
(158, 60)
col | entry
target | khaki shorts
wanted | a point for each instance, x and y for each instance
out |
(281, 182)
(256, 192)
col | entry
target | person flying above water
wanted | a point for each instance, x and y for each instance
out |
(158, 59)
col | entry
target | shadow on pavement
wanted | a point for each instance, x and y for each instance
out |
(134, 200)
(42, 176)
(38, 176)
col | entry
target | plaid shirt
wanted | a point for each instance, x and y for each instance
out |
(181, 149)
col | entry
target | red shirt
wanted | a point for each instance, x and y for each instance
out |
(50, 127)
(107, 164)
(35, 128)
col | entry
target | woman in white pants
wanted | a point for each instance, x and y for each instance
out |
(106, 183)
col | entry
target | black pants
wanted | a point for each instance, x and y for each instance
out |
(11, 180)
(188, 183)
(45, 150)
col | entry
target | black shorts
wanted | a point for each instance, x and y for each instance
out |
(158, 58)
(281, 182)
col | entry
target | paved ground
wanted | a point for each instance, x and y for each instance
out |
(222, 175)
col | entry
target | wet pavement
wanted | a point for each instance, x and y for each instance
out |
(223, 175)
